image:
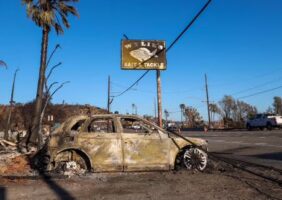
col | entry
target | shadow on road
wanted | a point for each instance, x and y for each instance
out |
(234, 150)
(3, 193)
(59, 191)
(270, 156)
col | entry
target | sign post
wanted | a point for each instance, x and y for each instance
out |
(159, 93)
(146, 55)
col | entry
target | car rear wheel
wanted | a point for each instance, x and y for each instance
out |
(70, 163)
(195, 159)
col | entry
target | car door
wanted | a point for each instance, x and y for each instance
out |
(103, 144)
(144, 147)
(261, 121)
(256, 121)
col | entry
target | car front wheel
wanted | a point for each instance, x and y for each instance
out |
(195, 158)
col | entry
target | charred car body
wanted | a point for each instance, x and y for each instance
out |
(104, 143)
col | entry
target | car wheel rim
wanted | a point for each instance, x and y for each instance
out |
(195, 158)
(73, 167)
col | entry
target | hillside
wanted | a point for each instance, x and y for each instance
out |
(55, 113)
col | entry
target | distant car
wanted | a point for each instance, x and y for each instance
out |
(262, 121)
(173, 129)
(135, 126)
(104, 143)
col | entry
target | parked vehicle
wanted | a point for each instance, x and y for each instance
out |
(262, 121)
(108, 143)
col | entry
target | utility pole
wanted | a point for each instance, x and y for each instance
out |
(109, 94)
(12, 102)
(208, 102)
(159, 92)
(132, 106)
(136, 110)
(155, 109)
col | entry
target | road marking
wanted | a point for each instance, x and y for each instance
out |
(237, 142)
(260, 144)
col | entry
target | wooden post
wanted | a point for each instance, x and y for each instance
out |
(159, 95)
(208, 102)
(109, 94)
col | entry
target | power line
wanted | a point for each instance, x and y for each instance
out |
(152, 92)
(170, 46)
(261, 92)
(257, 86)
(188, 26)
(132, 84)
(220, 84)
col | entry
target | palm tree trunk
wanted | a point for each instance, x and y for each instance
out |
(35, 135)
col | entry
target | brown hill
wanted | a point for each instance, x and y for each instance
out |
(55, 113)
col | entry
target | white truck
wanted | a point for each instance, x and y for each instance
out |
(262, 121)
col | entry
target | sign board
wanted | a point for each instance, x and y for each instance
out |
(143, 54)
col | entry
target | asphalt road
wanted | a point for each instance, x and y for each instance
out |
(262, 147)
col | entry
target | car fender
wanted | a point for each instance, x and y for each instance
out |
(178, 144)
(79, 150)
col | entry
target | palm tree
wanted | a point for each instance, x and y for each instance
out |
(182, 109)
(166, 116)
(133, 108)
(214, 109)
(46, 14)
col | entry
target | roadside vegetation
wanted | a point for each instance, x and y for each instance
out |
(227, 113)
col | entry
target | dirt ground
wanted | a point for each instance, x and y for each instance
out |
(219, 181)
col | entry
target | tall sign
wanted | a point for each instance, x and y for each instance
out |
(143, 55)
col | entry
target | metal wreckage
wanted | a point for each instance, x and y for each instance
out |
(104, 143)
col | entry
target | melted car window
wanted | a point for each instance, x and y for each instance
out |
(136, 126)
(77, 125)
(101, 126)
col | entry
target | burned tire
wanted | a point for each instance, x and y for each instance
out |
(195, 159)
(71, 162)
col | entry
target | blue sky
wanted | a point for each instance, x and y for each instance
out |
(237, 43)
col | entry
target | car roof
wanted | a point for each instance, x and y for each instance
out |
(124, 116)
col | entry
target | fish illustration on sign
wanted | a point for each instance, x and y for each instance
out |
(143, 54)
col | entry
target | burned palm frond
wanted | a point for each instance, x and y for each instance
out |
(48, 14)
(2, 63)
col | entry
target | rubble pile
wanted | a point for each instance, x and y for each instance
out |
(11, 161)
(14, 163)
(6, 145)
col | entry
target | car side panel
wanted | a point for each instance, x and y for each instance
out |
(145, 152)
(104, 150)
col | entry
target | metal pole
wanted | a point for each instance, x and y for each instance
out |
(155, 110)
(136, 110)
(109, 94)
(208, 102)
(159, 94)
(6, 135)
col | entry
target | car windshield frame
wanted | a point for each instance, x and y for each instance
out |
(84, 128)
(160, 130)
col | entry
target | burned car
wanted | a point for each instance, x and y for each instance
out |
(103, 143)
